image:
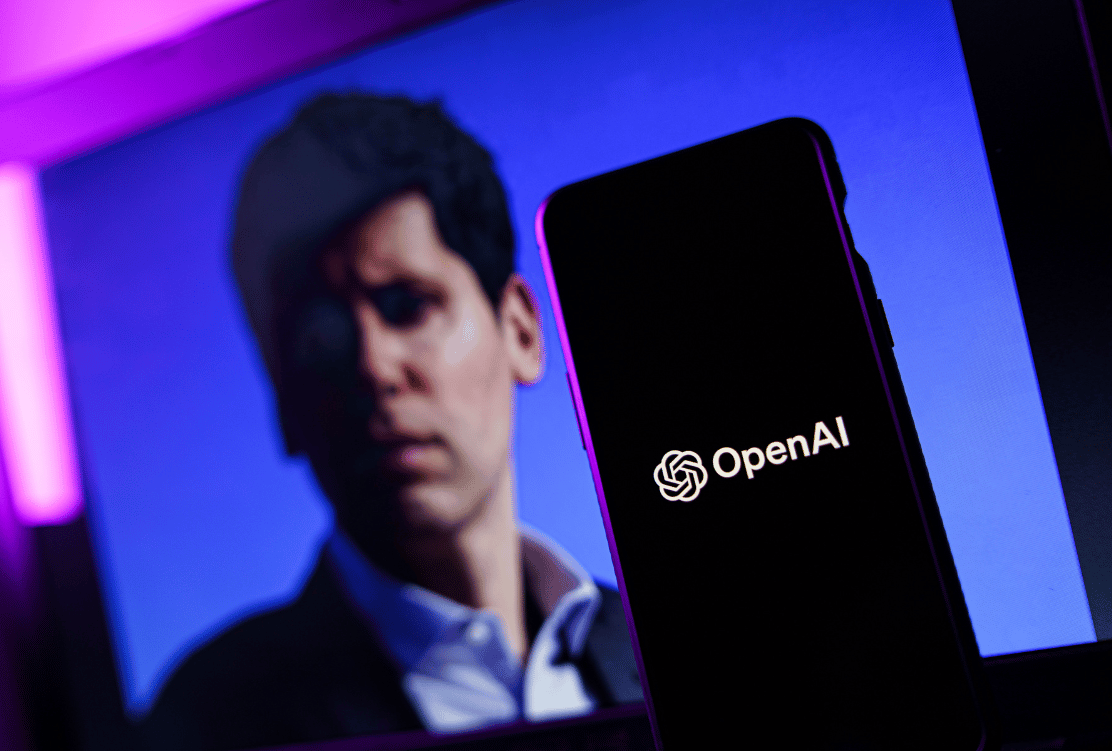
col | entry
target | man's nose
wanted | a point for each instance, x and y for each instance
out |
(383, 352)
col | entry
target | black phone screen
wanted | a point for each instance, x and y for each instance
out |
(776, 540)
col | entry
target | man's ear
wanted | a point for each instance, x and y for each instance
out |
(520, 318)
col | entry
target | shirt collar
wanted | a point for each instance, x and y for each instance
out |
(565, 593)
(411, 620)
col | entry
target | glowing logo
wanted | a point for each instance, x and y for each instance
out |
(680, 475)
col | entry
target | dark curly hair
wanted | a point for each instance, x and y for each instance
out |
(340, 157)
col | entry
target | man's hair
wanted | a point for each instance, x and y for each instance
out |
(399, 144)
(340, 158)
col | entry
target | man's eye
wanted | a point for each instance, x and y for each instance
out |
(400, 305)
(323, 339)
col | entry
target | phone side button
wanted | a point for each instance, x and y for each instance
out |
(884, 321)
(578, 424)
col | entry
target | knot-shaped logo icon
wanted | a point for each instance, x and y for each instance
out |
(680, 475)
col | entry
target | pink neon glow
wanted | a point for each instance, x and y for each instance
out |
(47, 39)
(35, 428)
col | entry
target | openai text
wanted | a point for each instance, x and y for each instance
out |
(776, 452)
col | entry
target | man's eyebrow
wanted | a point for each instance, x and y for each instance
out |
(407, 283)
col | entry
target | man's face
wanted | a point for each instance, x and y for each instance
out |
(438, 365)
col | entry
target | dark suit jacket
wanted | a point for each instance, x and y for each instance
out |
(313, 671)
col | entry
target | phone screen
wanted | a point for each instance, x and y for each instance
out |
(775, 537)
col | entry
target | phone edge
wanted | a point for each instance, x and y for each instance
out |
(580, 416)
(821, 143)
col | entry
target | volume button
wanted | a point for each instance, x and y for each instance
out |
(578, 424)
(887, 330)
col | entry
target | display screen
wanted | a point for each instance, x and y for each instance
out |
(202, 521)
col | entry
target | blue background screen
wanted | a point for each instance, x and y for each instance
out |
(200, 519)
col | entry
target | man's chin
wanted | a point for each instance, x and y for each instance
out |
(427, 509)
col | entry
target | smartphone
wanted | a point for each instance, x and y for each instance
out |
(779, 550)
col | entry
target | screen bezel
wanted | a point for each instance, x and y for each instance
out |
(1034, 80)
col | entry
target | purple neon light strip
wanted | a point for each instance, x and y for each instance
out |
(892, 409)
(581, 415)
(36, 433)
(258, 45)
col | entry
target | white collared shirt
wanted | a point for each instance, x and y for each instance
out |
(456, 665)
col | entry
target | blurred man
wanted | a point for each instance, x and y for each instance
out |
(374, 253)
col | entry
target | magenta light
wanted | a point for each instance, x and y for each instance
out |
(35, 428)
(50, 39)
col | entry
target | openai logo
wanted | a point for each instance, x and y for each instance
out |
(680, 475)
